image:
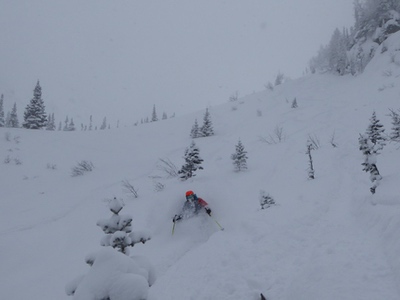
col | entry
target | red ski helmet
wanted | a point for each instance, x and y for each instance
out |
(189, 193)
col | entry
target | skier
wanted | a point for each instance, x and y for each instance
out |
(192, 206)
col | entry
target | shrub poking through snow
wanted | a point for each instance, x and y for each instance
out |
(81, 168)
(266, 200)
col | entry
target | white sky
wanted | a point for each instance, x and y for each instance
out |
(94, 56)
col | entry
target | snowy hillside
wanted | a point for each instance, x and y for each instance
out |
(326, 238)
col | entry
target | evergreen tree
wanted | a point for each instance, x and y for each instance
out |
(239, 157)
(104, 124)
(71, 125)
(2, 119)
(266, 200)
(207, 128)
(59, 126)
(90, 123)
(192, 162)
(311, 172)
(395, 133)
(13, 120)
(370, 160)
(154, 117)
(51, 124)
(35, 115)
(164, 116)
(118, 229)
(8, 119)
(375, 133)
(66, 123)
(194, 133)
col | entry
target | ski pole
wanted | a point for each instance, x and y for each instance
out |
(173, 228)
(219, 225)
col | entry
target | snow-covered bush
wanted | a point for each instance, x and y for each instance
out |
(81, 168)
(113, 276)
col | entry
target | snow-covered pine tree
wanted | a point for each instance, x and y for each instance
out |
(207, 127)
(13, 117)
(71, 125)
(90, 123)
(266, 200)
(114, 275)
(51, 124)
(192, 162)
(370, 160)
(2, 119)
(66, 123)
(311, 172)
(118, 229)
(194, 133)
(375, 133)
(395, 133)
(35, 115)
(239, 157)
(104, 124)
(164, 116)
(154, 117)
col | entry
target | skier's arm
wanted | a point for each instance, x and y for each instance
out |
(204, 204)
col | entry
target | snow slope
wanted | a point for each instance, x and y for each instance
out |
(327, 238)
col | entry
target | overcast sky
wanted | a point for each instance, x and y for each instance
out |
(118, 58)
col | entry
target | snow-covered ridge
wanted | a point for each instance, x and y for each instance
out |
(327, 238)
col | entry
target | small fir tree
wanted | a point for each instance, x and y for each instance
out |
(13, 119)
(90, 123)
(164, 116)
(207, 128)
(194, 133)
(192, 162)
(35, 115)
(51, 123)
(71, 125)
(114, 274)
(66, 123)
(104, 124)
(239, 157)
(2, 119)
(154, 117)
(266, 200)
(118, 229)
(370, 160)
(311, 172)
(375, 132)
(395, 133)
